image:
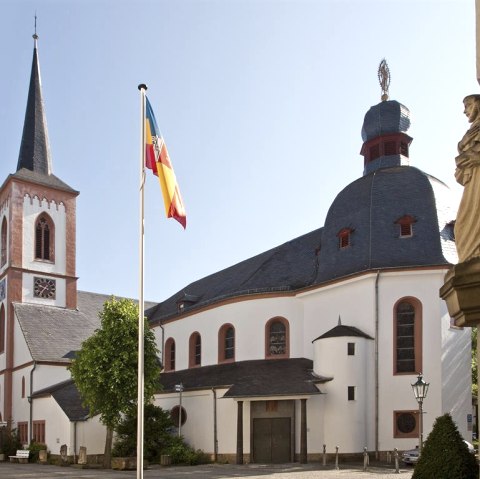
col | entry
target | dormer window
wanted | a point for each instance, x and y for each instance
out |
(405, 224)
(344, 238)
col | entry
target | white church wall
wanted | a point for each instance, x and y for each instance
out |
(395, 390)
(247, 317)
(32, 207)
(342, 414)
(46, 375)
(90, 434)
(21, 352)
(315, 424)
(352, 300)
(20, 405)
(3, 356)
(456, 373)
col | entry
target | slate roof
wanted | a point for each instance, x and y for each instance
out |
(68, 398)
(385, 117)
(53, 333)
(256, 378)
(342, 330)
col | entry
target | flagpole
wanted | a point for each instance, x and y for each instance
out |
(141, 304)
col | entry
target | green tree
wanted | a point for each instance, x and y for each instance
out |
(445, 455)
(105, 368)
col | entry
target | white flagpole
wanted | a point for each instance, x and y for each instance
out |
(141, 305)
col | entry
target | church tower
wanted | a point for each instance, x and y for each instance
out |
(37, 233)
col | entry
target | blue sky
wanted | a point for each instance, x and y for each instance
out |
(261, 104)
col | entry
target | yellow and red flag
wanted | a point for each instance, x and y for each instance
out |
(157, 160)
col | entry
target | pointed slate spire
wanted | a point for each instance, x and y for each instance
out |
(35, 147)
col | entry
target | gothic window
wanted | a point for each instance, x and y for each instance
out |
(170, 355)
(277, 338)
(408, 336)
(226, 343)
(405, 224)
(44, 238)
(195, 350)
(3, 259)
(2, 329)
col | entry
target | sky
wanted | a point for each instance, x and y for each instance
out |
(261, 104)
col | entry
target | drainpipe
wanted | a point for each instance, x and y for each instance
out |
(30, 400)
(163, 345)
(74, 442)
(376, 367)
(215, 438)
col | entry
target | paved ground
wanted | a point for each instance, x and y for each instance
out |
(214, 471)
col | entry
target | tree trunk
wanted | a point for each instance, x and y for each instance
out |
(107, 456)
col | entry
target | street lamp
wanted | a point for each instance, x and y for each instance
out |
(179, 389)
(420, 389)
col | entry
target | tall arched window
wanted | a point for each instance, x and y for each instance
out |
(226, 343)
(44, 238)
(3, 254)
(195, 350)
(2, 329)
(408, 336)
(170, 355)
(277, 338)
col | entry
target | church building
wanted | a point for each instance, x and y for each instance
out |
(313, 344)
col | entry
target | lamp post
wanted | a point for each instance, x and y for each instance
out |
(179, 389)
(420, 389)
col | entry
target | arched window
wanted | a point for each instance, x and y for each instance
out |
(195, 350)
(3, 254)
(226, 343)
(2, 329)
(408, 336)
(44, 238)
(277, 338)
(170, 355)
(23, 386)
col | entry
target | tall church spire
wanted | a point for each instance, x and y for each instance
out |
(35, 147)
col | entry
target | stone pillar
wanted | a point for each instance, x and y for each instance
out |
(239, 432)
(303, 431)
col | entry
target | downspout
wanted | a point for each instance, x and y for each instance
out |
(163, 346)
(74, 442)
(30, 400)
(376, 368)
(215, 438)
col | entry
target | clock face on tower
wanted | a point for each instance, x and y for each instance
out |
(44, 288)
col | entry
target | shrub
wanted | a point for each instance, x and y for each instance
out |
(157, 436)
(35, 448)
(10, 442)
(445, 455)
(182, 453)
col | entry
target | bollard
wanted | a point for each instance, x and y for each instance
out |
(365, 459)
(336, 458)
(389, 457)
(324, 454)
(395, 453)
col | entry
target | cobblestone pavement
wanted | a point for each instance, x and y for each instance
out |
(212, 471)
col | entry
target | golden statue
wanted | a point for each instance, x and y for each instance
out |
(467, 226)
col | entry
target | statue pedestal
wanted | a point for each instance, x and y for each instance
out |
(461, 292)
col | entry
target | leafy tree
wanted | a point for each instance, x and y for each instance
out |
(105, 368)
(157, 436)
(445, 455)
